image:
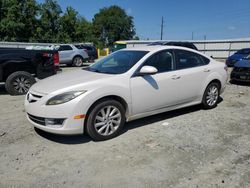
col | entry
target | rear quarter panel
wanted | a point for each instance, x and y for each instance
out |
(217, 72)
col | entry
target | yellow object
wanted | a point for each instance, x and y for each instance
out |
(80, 116)
(98, 53)
(107, 51)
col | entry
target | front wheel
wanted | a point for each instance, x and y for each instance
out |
(211, 96)
(18, 83)
(105, 120)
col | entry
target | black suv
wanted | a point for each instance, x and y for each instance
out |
(91, 51)
(182, 44)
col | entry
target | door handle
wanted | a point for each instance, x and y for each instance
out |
(175, 77)
(206, 70)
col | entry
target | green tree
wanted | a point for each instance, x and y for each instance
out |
(84, 31)
(112, 24)
(68, 25)
(10, 24)
(29, 12)
(17, 19)
(48, 21)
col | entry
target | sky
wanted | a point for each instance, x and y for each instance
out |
(213, 19)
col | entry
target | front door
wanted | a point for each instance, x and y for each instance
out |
(152, 92)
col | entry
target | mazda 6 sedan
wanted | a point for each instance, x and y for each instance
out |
(129, 84)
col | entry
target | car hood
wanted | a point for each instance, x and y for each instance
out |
(236, 57)
(243, 63)
(68, 81)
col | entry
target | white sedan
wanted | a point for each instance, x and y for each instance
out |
(129, 84)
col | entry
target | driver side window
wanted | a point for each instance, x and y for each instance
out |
(163, 61)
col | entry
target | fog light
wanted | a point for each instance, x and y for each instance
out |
(49, 122)
(54, 123)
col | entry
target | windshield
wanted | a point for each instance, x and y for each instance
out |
(248, 57)
(118, 62)
(244, 51)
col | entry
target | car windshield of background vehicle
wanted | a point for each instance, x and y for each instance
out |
(118, 62)
(243, 51)
(248, 57)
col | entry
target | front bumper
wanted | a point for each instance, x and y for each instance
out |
(240, 76)
(37, 111)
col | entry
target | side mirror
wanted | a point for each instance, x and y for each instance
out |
(148, 70)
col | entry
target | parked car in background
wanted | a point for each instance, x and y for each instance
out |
(128, 84)
(91, 51)
(71, 55)
(182, 44)
(19, 67)
(239, 55)
(241, 70)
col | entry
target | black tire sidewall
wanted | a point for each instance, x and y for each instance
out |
(91, 118)
(204, 101)
(9, 82)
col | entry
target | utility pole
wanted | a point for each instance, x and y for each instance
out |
(162, 24)
(205, 38)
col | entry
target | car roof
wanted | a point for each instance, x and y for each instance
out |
(156, 48)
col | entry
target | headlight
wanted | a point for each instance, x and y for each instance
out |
(64, 97)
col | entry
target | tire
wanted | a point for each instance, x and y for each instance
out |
(77, 61)
(18, 83)
(99, 127)
(211, 96)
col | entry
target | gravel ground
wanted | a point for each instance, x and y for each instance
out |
(190, 147)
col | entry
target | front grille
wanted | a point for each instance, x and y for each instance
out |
(242, 69)
(38, 120)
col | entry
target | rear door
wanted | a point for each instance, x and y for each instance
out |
(192, 69)
(65, 54)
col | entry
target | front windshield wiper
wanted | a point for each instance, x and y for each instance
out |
(98, 71)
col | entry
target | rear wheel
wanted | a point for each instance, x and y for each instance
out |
(77, 61)
(18, 83)
(105, 120)
(211, 95)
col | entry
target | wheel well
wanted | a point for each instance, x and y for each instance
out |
(114, 97)
(216, 81)
(77, 56)
(14, 67)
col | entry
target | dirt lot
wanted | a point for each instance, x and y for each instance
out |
(184, 148)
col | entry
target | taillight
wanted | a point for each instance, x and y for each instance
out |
(56, 59)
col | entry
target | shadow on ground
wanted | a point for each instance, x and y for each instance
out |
(81, 139)
(240, 83)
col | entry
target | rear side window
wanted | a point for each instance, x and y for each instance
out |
(87, 48)
(163, 61)
(187, 59)
(78, 46)
(65, 48)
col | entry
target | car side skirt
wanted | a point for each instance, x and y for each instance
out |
(169, 108)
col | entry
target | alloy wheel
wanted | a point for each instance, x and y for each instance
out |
(212, 95)
(78, 61)
(21, 84)
(107, 120)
